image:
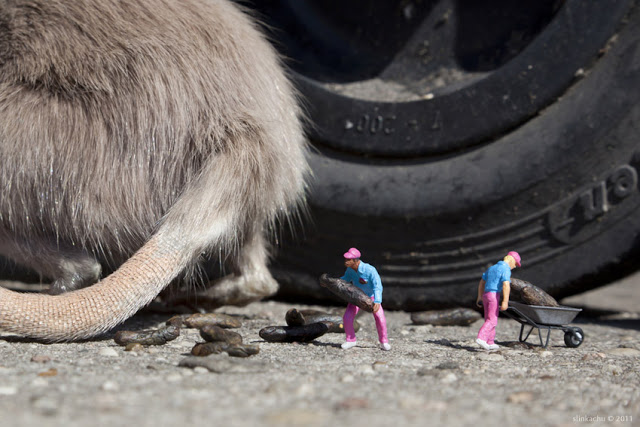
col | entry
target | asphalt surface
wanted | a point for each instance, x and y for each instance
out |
(433, 375)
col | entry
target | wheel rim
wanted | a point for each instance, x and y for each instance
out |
(402, 106)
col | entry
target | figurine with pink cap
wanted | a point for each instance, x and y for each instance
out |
(495, 281)
(366, 277)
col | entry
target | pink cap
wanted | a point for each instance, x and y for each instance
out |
(352, 253)
(515, 256)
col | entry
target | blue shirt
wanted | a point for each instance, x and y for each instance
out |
(367, 279)
(495, 275)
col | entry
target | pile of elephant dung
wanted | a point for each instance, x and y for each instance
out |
(295, 317)
(219, 340)
(304, 333)
(200, 320)
(448, 317)
(213, 329)
(347, 292)
(530, 294)
(147, 337)
(304, 326)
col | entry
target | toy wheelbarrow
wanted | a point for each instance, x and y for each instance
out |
(546, 318)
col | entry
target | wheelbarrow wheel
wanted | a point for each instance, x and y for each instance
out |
(574, 337)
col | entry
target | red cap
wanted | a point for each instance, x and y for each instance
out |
(515, 256)
(353, 253)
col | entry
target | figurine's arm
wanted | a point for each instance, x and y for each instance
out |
(506, 289)
(480, 292)
(377, 292)
(377, 289)
(345, 276)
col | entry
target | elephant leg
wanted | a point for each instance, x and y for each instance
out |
(249, 279)
(68, 268)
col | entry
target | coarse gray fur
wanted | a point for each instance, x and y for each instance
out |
(126, 121)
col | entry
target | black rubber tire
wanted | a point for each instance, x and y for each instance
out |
(574, 337)
(556, 181)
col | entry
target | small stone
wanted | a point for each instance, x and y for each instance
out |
(545, 354)
(347, 379)
(108, 352)
(39, 382)
(520, 397)
(200, 370)
(40, 358)
(50, 373)
(134, 347)
(404, 332)
(449, 378)
(110, 386)
(304, 390)
(592, 356)
(8, 391)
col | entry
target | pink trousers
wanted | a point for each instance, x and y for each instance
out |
(350, 315)
(491, 305)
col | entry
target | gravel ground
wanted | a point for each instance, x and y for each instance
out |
(433, 375)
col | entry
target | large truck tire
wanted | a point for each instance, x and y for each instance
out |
(447, 133)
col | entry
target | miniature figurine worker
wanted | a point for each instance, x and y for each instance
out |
(495, 280)
(365, 277)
